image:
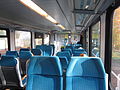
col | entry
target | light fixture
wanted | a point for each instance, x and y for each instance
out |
(34, 7)
(40, 11)
(61, 26)
(51, 19)
(86, 6)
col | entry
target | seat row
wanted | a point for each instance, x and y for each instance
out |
(25, 54)
(74, 51)
(83, 73)
(45, 73)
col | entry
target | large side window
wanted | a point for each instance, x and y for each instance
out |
(3, 41)
(115, 76)
(22, 39)
(96, 39)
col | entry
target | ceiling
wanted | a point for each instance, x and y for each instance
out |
(74, 15)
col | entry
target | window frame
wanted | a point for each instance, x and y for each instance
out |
(108, 40)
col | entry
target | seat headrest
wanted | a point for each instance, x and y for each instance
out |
(15, 53)
(25, 55)
(47, 49)
(36, 51)
(8, 61)
(68, 49)
(45, 65)
(24, 49)
(86, 67)
(64, 53)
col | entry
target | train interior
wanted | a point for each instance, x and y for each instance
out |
(59, 44)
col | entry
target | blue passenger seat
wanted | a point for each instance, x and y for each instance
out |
(63, 56)
(46, 49)
(71, 47)
(77, 46)
(14, 53)
(36, 52)
(10, 73)
(67, 49)
(44, 73)
(24, 56)
(77, 52)
(24, 49)
(85, 73)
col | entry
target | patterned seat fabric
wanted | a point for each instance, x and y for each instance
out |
(44, 73)
(85, 73)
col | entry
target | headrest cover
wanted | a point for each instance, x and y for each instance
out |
(47, 49)
(24, 49)
(25, 55)
(36, 51)
(43, 65)
(15, 53)
(86, 67)
(64, 53)
(68, 49)
(8, 61)
(42, 47)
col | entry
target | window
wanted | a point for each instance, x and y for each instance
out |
(38, 38)
(46, 39)
(3, 33)
(96, 39)
(115, 76)
(3, 42)
(22, 39)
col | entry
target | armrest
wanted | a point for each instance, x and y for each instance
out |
(24, 80)
(106, 77)
(25, 76)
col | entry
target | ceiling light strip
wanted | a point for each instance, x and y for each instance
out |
(61, 26)
(37, 9)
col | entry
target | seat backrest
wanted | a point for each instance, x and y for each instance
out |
(44, 73)
(47, 50)
(78, 46)
(42, 47)
(24, 49)
(36, 52)
(71, 47)
(10, 73)
(68, 49)
(77, 52)
(64, 53)
(85, 73)
(24, 56)
(14, 53)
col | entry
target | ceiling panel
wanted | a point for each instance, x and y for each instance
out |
(15, 11)
(86, 4)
